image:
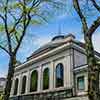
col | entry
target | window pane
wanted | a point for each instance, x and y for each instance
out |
(80, 83)
(16, 87)
(59, 75)
(34, 81)
(46, 79)
(23, 84)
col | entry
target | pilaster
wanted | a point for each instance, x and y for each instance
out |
(19, 84)
(51, 75)
(28, 82)
(40, 78)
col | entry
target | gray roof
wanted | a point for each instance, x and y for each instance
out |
(2, 79)
(47, 47)
(54, 44)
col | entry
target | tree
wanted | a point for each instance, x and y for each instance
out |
(82, 7)
(15, 17)
(1, 97)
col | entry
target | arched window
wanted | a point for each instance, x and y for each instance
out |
(46, 79)
(34, 81)
(16, 86)
(23, 85)
(59, 75)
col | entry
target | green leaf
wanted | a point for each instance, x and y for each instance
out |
(2, 28)
(36, 22)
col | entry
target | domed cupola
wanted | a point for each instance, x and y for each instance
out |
(58, 37)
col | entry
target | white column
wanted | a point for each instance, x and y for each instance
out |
(51, 81)
(86, 82)
(54, 75)
(19, 84)
(67, 72)
(72, 79)
(40, 78)
(28, 82)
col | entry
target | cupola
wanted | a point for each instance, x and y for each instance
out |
(63, 37)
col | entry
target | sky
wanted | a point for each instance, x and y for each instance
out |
(41, 34)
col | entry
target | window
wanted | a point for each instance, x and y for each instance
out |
(80, 83)
(23, 85)
(46, 79)
(59, 75)
(34, 81)
(16, 87)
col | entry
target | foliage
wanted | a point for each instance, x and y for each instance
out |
(18, 13)
(1, 97)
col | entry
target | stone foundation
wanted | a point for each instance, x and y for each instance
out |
(78, 98)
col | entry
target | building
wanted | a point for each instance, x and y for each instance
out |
(56, 71)
(2, 85)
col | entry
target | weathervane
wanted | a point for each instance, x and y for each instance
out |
(59, 30)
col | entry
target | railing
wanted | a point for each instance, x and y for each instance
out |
(52, 95)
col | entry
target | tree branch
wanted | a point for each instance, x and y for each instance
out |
(17, 22)
(4, 49)
(98, 64)
(22, 36)
(94, 26)
(6, 27)
(16, 37)
(2, 17)
(35, 3)
(25, 25)
(40, 17)
(95, 5)
(82, 17)
(12, 15)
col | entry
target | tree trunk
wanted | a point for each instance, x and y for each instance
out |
(93, 72)
(12, 62)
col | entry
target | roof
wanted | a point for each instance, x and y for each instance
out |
(55, 42)
(62, 39)
(45, 49)
(2, 79)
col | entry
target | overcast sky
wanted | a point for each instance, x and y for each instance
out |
(42, 34)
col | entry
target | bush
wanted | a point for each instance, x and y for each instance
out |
(1, 97)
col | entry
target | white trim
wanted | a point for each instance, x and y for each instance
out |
(41, 56)
(80, 68)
